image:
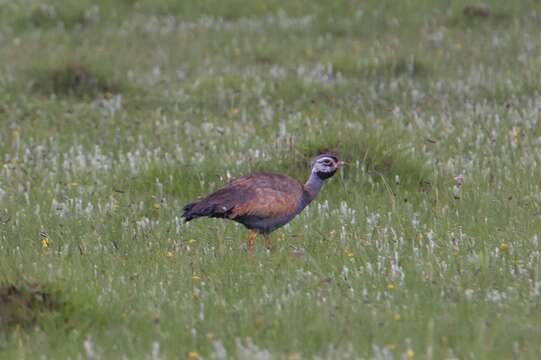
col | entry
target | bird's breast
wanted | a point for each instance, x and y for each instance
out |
(265, 225)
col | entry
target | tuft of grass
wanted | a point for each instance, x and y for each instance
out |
(383, 151)
(70, 15)
(386, 68)
(232, 10)
(177, 182)
(23, 304)
(479, 15)
(51, 16)
(75, 78)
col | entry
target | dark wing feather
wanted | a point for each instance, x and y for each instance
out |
(261, 195)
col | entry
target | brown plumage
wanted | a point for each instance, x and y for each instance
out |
(264, 202)
(261, 194)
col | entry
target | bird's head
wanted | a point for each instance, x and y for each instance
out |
(326, 165)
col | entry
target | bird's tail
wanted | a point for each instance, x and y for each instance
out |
(189, 213)
(204, 208)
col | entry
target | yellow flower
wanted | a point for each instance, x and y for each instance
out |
(157, 206)
(193, 355)
(397, 317)
(44, 237)
(504, 247)
(191, 241)
(410, 354)
(195, 278)
(516, 132)
(233, 112)
(349, 253)
(391, 286)
(170, 254)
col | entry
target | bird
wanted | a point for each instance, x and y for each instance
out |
(264, 202)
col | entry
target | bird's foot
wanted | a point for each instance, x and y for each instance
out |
(250, 242)
(268, 243)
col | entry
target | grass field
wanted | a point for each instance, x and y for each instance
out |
(115, 114)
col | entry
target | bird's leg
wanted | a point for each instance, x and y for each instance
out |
(252, 235)
(268, 241)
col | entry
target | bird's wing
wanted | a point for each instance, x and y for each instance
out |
(267, 196)
(221, 202)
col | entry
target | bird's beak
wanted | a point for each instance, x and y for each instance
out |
(341, 163)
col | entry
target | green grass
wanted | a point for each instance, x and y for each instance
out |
(114, 115)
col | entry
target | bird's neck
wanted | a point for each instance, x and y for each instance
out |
(313, 185)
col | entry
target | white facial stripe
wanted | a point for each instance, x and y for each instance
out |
(326, 158)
